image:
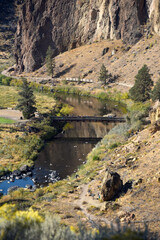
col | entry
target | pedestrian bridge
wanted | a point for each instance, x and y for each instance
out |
(88, 119)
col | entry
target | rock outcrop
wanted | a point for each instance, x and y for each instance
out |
(68, 24)
(154, 114)
(112, 185)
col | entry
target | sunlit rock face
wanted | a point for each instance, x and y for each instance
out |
(67, 24)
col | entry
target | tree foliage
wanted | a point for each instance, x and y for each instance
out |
(50, 61)
(156, 91)
(104, 75)
(26, 102)
(143, 83)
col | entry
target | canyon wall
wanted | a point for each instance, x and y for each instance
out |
(67, 24)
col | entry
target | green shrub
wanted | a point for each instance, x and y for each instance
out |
(6, 81)
(16, 82)
(96, 158)
(113, 145)
(1, 77)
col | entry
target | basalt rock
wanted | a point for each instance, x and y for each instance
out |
(67, 24)
(112, 185)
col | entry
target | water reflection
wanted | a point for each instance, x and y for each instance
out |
(65, 155)
(70, 148)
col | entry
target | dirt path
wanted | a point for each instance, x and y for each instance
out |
(85, 201)
(125, 85)
(11, 114)
(39, 79)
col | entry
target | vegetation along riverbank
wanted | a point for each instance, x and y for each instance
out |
(78, 187)
(79, 58)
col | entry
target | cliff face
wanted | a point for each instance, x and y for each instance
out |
(7, 25)
(66, 24)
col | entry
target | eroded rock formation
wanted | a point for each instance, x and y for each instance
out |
(112, 185)
(66, 24)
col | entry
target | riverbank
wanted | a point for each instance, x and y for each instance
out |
(77, 197)
(33, 141)
(21, 141)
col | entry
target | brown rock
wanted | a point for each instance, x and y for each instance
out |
(112, 185)
(67, 24)
(155, 127)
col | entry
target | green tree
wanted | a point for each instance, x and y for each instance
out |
(26, 103)
(50, 61)
(156, 91)
(141, 90)
(103, 75)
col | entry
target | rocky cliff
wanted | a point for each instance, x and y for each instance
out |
(66, 24)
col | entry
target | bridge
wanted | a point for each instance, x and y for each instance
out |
(88, 119)
(78, 139)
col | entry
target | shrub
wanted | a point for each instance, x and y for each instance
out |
(39, 193)
(114, 145)
(16, 82)
(1, 77)
(28, 225)
(96, 158)
(6, 81)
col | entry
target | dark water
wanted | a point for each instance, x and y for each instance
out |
(64, 154)
(70, 148)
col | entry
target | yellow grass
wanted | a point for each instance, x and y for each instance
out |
(9, 97)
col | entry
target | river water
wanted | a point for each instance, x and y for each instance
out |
(69, 149)
(66, 152)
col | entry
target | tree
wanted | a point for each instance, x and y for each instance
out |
(143, 83)
(103, 75)
(50, 61)
(27, 101)
(156, 91)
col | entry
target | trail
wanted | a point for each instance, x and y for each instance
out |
(125, 85)
(38, 79)
(85, 201)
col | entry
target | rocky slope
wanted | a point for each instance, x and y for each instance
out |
(67, 24)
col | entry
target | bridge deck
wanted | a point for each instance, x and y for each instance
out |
(88, 119)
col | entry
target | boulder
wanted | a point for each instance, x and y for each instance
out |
(24, 168)
(155, 127)
(28, 186)
(105, 50)
(16, 173)
(112, 185)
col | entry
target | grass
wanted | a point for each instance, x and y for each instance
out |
(9, 98)
(17, 148)
(6, 121)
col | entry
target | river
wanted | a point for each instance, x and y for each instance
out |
(67, 151)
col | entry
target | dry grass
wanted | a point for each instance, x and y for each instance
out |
(9, 97)
(88, 59)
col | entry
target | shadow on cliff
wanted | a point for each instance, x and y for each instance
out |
(66, 70)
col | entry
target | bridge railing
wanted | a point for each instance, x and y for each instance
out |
(88, 119)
